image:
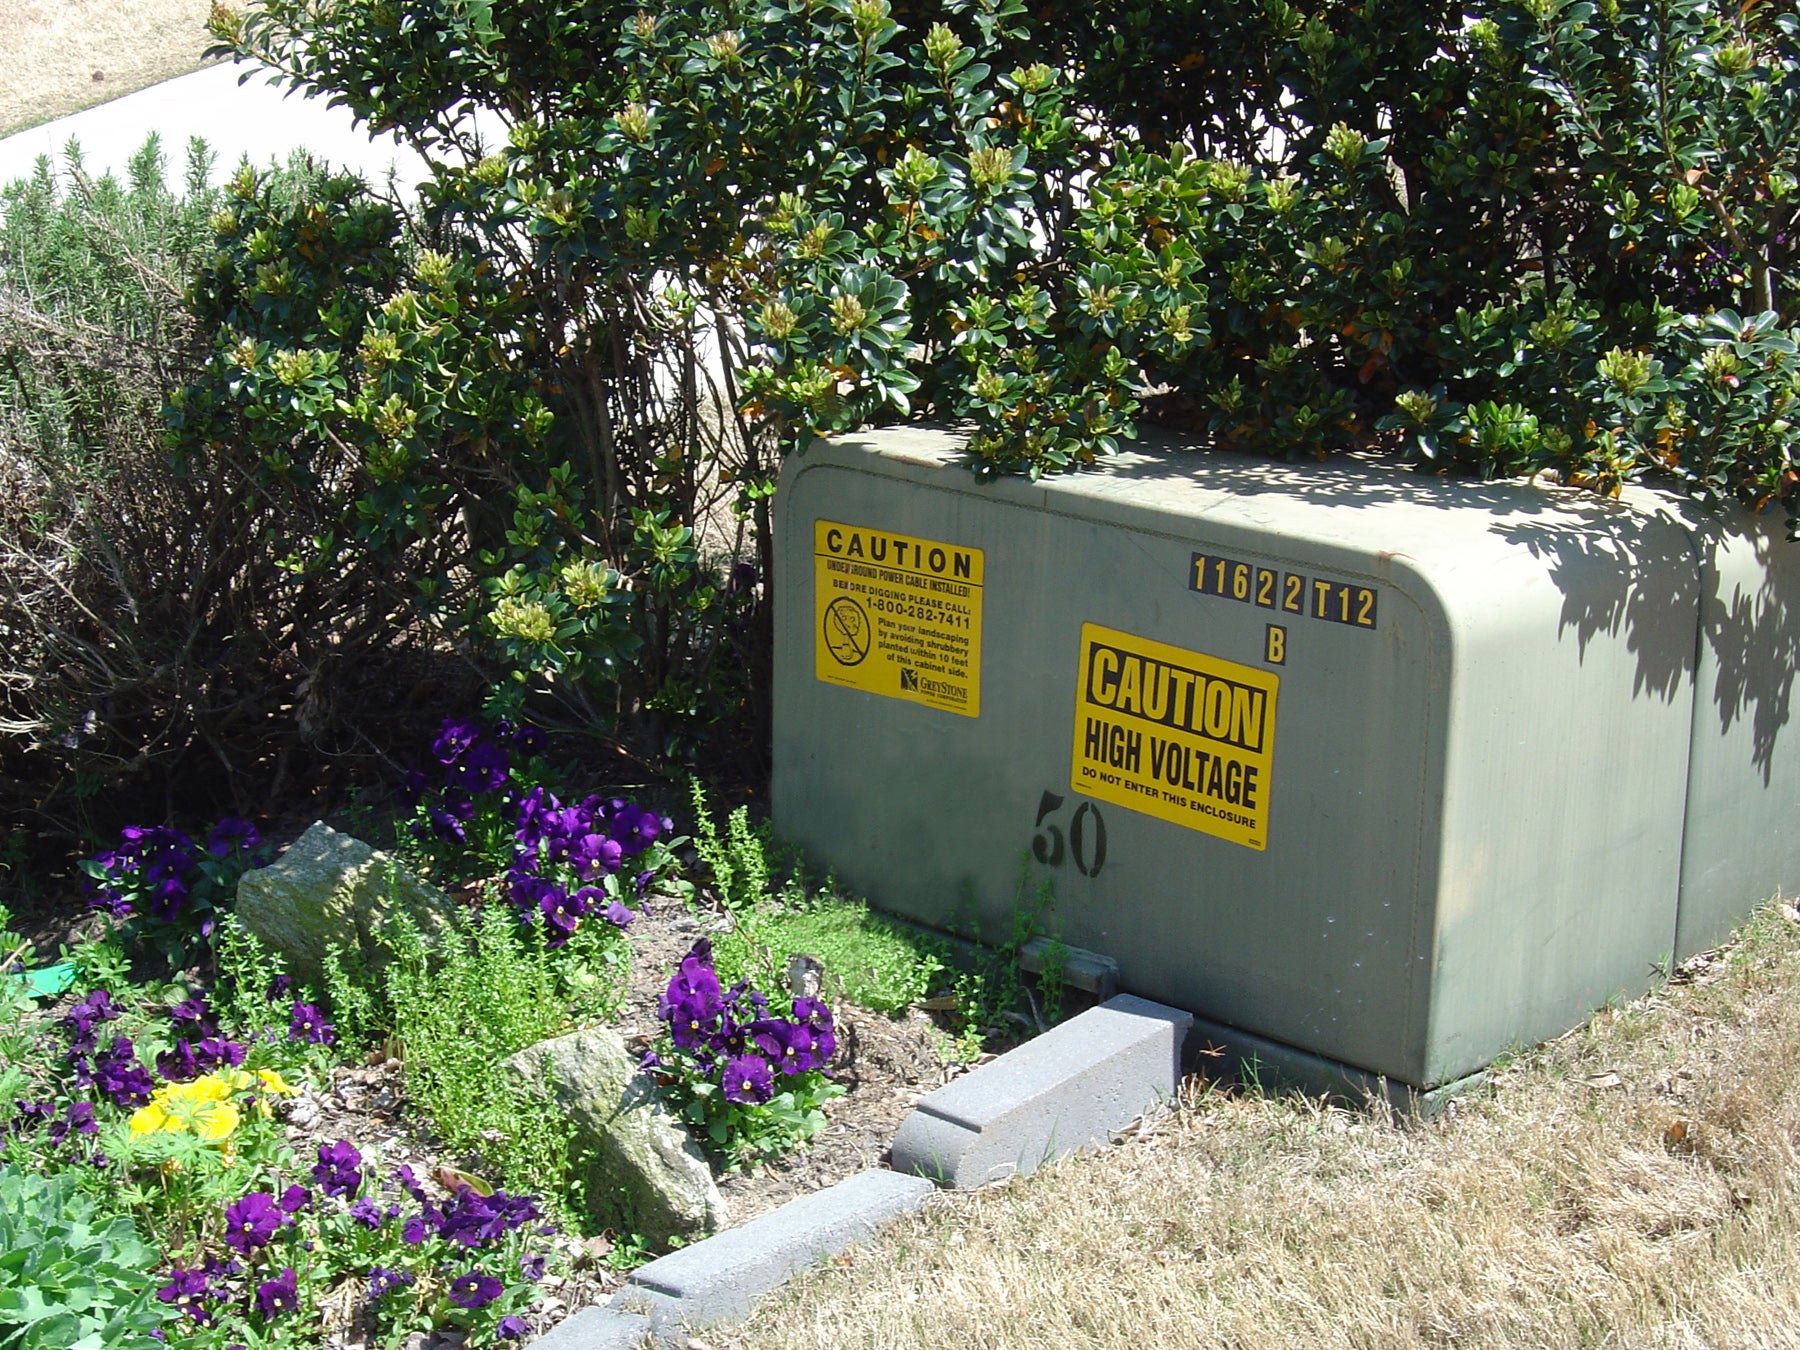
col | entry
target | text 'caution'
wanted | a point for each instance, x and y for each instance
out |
(1178, 735)
(897, 616)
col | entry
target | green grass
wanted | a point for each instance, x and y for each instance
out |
(867, 959)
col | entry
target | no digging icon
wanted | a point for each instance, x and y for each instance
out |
(846, 631)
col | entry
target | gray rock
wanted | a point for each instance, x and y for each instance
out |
(333, 888)
(642, 1169)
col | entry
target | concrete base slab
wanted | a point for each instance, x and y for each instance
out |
(1071, 1087)
(721, 1278)
(1227, 1052)
(1076, 967)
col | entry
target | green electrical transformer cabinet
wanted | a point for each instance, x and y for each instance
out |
(1375, 774)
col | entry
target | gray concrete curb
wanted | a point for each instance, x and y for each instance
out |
(598, 1328)
(720, 1278)
(1071, 1087)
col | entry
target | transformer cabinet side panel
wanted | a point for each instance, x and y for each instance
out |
(1565, 777)
(1741, 844)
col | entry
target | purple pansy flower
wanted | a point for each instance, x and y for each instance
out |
(77, 1119)
(118, 1076)
(26, 1114)
(595, 854)
(186, 1292)
(453, 738)
(216, 1052)
(279, 1295)
(192, 1018)
(482, 768)
(306, 1023)
(528, 740)
(81, 1020)
(178, 1063)
(338, 1171)
(788, 1045)
(251, 1222)
(447, 824)
(561, 917)
(635, 828)
(817, 1018)
(383, 1282)
(408, 1182)
(231, 832)
(472, 1219)
(475, 1290)
(747, 1079)
(112, 902)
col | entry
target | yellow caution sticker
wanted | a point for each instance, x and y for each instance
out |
(1178, 735)
(898, 616)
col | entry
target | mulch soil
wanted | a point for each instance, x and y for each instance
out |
(884, 1064)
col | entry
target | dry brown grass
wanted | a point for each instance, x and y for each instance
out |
(51, 49)
(1633, 1184)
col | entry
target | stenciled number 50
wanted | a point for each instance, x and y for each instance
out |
(1087, 836)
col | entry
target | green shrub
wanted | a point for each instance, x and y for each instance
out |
(91, 323)
(166, 632)
(70, 1278)
(737, 862)
(1466, 233)
(641, 311)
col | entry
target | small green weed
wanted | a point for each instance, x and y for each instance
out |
(739, 860)
(358, 1009)
(249, 976)
(100, 962)
(996, 1001)
(15, 1003)
(461, 1004)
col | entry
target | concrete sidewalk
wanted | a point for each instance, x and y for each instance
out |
(258, 120)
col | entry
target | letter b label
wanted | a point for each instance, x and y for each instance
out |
(1275, 645)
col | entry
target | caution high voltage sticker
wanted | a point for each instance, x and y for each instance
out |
(1178, 735)
(897, 616)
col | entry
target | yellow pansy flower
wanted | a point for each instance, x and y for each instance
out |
(206, 1106)
(203, 1106)
(149, 1119)
(215, 1123)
